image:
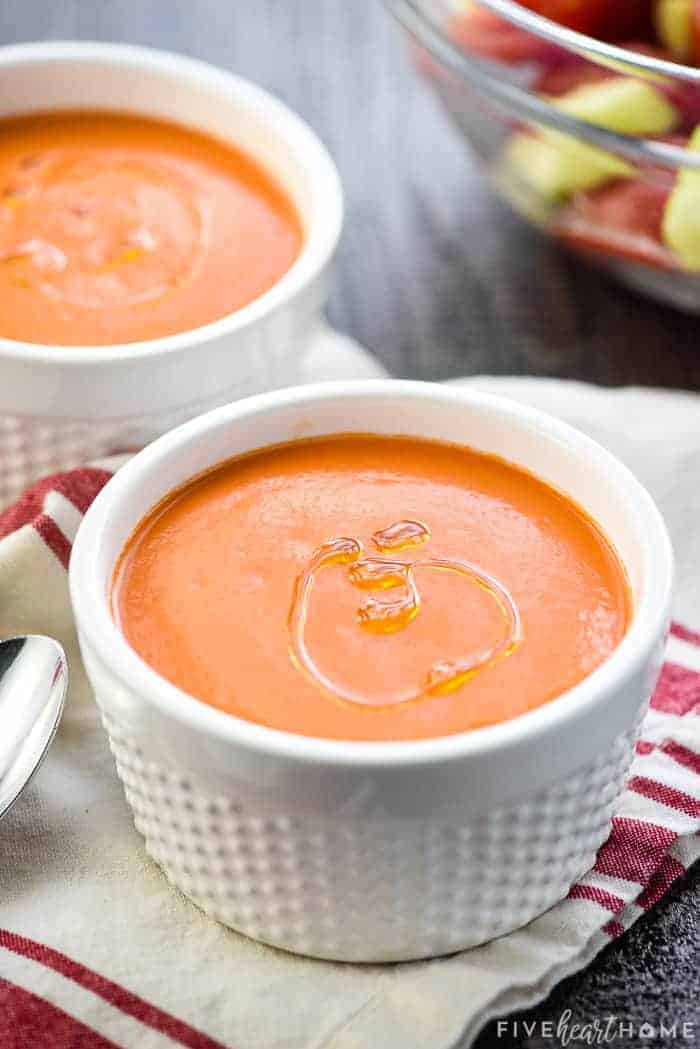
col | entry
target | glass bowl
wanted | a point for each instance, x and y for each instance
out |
(595, 143)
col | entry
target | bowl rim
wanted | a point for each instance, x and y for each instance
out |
(321, 236)
(482, 74)
(95, 623)
(547, 29)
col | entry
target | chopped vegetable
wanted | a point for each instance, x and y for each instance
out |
(681, 221)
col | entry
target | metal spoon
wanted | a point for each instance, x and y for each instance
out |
(33, 685)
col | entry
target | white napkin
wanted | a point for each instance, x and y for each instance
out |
(96, 948)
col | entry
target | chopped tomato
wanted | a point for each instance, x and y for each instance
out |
(480, 32)
(627, 20)
(560, 79)
(606, 19)
(621, 220)
(586, 16)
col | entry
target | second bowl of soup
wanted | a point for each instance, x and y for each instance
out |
(165, 228)
(373, 661)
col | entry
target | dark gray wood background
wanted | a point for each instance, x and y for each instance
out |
(439, 280)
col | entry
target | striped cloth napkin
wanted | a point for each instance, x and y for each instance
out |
(97, 950)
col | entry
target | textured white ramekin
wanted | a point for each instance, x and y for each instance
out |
(62, 406)
(375, 851)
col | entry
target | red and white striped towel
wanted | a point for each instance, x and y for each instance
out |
(97, 950)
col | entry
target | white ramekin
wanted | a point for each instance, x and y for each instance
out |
(375, 851)
(62, 406)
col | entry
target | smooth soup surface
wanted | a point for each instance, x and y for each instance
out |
(371, 588)
(117, 229)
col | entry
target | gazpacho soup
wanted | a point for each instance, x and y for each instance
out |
(116, 229)
(365, 587)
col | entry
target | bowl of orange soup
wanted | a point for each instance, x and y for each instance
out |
(165, 230)
(372, 659)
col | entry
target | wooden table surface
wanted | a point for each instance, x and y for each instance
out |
(439, 279)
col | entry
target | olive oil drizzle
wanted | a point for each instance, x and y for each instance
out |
(393, 605)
